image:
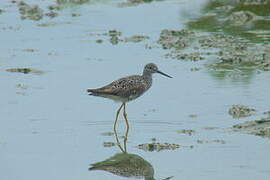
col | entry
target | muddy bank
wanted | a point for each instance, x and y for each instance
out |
(257, 127)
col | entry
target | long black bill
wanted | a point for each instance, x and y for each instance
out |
(164, 74)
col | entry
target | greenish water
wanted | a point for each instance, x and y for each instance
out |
(235, 18)
(51, 129)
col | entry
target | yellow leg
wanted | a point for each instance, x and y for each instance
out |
(116, 119)
(118, 142)
(126, 119)
(125, 116)
(125, 140)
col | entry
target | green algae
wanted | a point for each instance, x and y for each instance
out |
(186, 131)
(156, 146)
(25, 70)
(239, 111)
(259, 127)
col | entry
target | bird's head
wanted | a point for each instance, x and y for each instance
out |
(152, 68)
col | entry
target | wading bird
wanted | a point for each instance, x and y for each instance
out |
(127, 89)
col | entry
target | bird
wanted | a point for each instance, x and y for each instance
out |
(127, 89)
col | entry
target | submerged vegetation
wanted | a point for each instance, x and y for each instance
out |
(246, 18)
(25, 70)
(238, 111)
(156, 146)
(259, 127)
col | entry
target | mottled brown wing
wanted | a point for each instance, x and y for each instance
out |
(135, 90)
(127, 86)
(123, 87)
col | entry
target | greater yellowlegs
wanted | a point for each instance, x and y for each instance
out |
(127, 88)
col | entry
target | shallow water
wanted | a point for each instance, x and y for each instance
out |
(52, 130)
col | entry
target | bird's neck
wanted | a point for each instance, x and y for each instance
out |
(147, 74)
(148, 77)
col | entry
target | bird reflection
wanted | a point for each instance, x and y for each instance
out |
(125, 164)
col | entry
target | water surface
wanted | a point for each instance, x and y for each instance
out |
(52, 130)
